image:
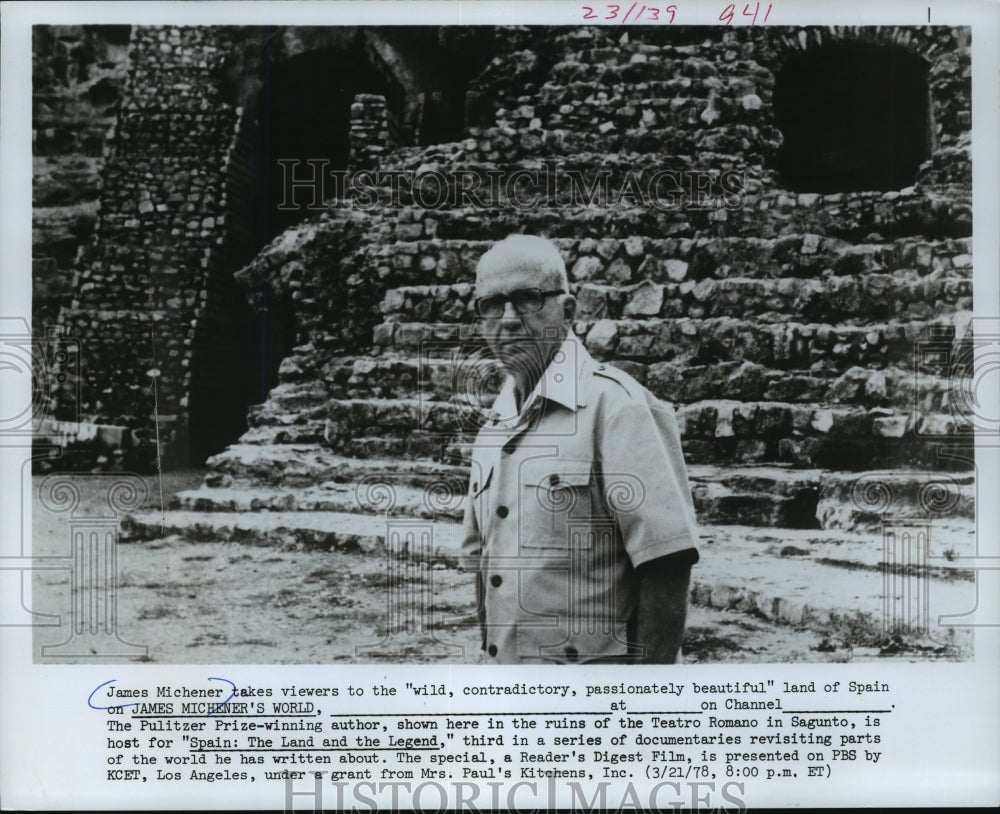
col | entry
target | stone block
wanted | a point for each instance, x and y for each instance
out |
(646, 300)
(601, 337)
(382, 334)
(394, 300)
(936, 424)
(586, 268)
(634, 246)
(890, 426)
(619, 271)
(704, 289)
(412, 334)
(664, 379)
(676, 270)
(637, 346)
(592, 302)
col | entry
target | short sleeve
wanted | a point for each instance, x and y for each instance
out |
(645, 480)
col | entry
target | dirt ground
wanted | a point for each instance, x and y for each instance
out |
(237, 603)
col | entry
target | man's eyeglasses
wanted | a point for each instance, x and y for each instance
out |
(524, 300)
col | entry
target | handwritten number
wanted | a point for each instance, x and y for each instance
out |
(654, 12)
(727, 13)
(613, 13)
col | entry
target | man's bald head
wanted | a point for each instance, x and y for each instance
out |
(525, 258)
(527, 270)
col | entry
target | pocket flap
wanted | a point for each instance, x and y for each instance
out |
(556, 473)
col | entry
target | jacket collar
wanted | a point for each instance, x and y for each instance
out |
(562, 383)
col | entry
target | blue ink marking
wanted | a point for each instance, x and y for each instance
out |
(113, 706)
(231, 695)
(90, 698)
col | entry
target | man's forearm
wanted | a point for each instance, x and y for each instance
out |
(662, 611)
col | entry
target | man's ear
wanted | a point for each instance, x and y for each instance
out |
(569, 306)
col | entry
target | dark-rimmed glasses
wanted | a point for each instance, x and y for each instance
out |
(524, 300)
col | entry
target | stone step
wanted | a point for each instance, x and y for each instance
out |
(450, 448)
(441, 378)
(753, 496)
(837, 584)
(705, 418)
(860, 217)
(442, 370)
(303, 465)
(869, 500)
(667, 92)
(317, 530)
(713, 431)
(773, 496)
(296, 431)
(855, 441)
(788, 345)
(901, 294)
(791, 235)
(675, 260)
(376, 495)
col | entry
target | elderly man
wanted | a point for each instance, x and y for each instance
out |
(579, 520)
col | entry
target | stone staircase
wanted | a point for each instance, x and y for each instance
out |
(805, 340)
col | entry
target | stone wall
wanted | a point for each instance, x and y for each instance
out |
(785, 326)
(146, 282)
(737, 290)
(78, 76)
(170, 347)
(372, 131)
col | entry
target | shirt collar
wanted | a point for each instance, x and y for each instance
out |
(561, 382)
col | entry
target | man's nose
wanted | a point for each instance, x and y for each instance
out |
(509, 312)
(510, 320)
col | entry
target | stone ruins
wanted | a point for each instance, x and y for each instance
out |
(797, 281)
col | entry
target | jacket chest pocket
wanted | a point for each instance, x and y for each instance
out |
(556, 503)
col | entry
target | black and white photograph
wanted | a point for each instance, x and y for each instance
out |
(266, 246)
(635, 337)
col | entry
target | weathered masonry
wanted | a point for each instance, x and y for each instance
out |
(210, 121)
(798, 281)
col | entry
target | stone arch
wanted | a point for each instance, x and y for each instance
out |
(293, 89)
(294, 95)
(931, 61)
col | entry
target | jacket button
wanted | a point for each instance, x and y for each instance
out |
(475, 486)
(571, 653)
(554, 480)
(495, 580)
(502, 511)
(492, 649)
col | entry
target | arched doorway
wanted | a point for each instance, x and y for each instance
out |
(299, 119)
(297, 123)
(855, 116)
